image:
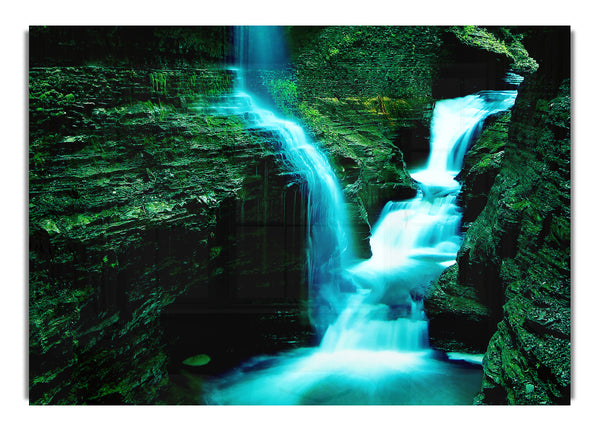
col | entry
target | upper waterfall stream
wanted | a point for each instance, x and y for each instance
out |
(374, 348)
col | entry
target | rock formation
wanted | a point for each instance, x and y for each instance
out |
(138, 196)
(512, 279)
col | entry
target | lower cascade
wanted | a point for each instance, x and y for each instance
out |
(374, 347)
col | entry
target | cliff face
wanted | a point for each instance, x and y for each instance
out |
(514, 265)
(364, 94)
(139, 195)
(528, 358)
(464, 304)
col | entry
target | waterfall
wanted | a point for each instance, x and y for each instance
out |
(414, 240)
(261, 49)
(454, 126)
(374, 348)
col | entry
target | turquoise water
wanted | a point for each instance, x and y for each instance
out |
(374, 348)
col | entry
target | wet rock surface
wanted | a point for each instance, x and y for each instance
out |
(532, 252)
(135, 200)
(515, 259)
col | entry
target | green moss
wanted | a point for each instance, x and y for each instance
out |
(502, 42)
(50, 226)
(215, 252)
(158, 81)
(560, 232)
(197, 361)
(366, 61)
(310, 114)
(100, 179)
(284, 92)
(158, 207)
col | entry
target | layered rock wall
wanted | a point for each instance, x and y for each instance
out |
(138, 196)
(528, 360)
(513, 269)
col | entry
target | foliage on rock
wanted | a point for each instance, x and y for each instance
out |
(500, 40)
(152, 46)
(133, 189)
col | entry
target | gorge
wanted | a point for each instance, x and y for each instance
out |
(165, 220)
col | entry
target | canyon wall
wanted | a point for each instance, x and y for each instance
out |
(511, 284)
(143, 206)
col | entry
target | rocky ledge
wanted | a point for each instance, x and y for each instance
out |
(511, 282)
(137, 198)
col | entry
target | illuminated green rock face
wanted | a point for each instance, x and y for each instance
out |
(133, 198)
(514, 264)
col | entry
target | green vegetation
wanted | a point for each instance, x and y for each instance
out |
(197, 361)
(125, 184)
(159, 82)
(284, 92)
(367, 61)
(500, 41)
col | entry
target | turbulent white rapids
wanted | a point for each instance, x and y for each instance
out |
(414, 240)
(375, 348)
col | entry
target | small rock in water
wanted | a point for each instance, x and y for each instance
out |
(197, 361)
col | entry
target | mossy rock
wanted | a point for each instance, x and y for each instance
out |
(197, 360)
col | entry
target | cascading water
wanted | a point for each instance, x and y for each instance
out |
(375, 347)
(261, 49)
(414, 240)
